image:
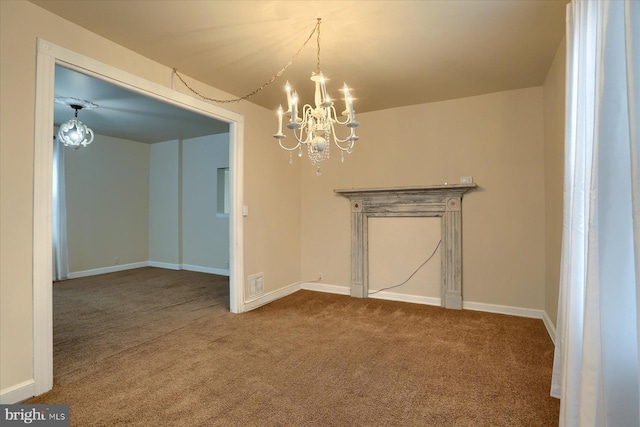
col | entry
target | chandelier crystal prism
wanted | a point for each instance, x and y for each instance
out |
(315, 125)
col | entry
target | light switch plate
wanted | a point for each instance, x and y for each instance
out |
(466, 180)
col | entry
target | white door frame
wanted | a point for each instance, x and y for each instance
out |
(48, 55)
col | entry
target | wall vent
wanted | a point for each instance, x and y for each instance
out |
(256, 285)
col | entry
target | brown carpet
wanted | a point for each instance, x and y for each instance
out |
(152, 347)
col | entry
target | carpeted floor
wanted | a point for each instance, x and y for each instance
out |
(158, 347)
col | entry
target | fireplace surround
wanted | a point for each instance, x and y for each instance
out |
(444, 201)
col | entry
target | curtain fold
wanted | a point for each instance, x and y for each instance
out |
(596, 364)
(632, 37)
(59, 215)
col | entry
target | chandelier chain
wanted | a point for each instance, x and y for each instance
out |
(268, 82)
(318, 39)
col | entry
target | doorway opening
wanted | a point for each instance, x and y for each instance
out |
(143, 192)
(50, 55)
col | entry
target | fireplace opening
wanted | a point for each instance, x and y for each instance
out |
(436, 201)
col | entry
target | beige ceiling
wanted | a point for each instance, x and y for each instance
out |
(391, 53)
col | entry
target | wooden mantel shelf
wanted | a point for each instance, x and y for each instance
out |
(453, 188)
(443, 201)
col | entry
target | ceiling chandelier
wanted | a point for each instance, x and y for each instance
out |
(74, 133)
(315, 127)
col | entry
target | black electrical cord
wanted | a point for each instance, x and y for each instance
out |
(412, 274)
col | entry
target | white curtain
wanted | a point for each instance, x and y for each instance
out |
(59, 215)
(595, 372)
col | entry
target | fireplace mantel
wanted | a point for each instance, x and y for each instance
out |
(443, 201)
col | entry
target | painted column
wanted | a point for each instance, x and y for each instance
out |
(358, 250)
(452, 254)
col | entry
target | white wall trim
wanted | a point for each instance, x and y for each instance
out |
(551, 329)
(272, 296)
(503, 309)
(105, 270)
(210, 270)
(344, 290)
(515, 311)
(323, 287)
(236, 220)
(166, 265)
(391, 296)
(42, 220)
(48, 54)
(18, 392)
(156, 264)
(466, 305)
(416, 299)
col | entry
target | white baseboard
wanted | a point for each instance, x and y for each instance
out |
(166, 265)
(18, 392)
(466, 305)
(515, 311)
(323, 287)
(392, 296)
(210, 270)
(104, 270)
(271, 296)
(416, 299)
(502, 309)
(157, 264)
(333, 289)
(551, 329)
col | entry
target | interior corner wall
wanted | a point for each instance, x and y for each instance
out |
(164, 203)
(185, 230)
(205, 233)
(497, 139)
(107, 187)
(554, 110)
(271, 187)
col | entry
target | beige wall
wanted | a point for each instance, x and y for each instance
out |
(107, 203)
(296, 226)
(271, 185)
(497, 139)
(397, 247)
(554, 90)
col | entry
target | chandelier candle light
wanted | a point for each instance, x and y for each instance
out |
(316, 127)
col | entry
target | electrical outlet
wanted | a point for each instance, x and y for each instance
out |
(466, 180)
(116, 260)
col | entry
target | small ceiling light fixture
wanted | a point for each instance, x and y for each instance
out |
(74, 133)
(316, 127)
